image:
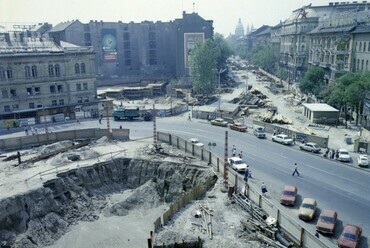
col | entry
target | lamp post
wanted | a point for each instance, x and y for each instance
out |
(246, 84)
(219, 88)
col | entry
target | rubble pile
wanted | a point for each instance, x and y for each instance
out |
(252, 98)
(271, 117)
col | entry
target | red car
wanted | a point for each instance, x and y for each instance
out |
(238, 127)
(289, 195)
(350, 237)
(327, 221)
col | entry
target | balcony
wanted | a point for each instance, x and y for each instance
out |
(341, 52)
(325, 65)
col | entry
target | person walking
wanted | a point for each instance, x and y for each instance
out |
(233, 150)
(263, 189)
(241, 154)
(189, 117)
(295, 170)
(246, 174)
(332, 153)
(294, 139)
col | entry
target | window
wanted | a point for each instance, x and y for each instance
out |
(39, 105)
(362, 65)
(367, 65)
(83, 68)
(360, 47)
(78, 87)
(4, 93)
(87, 99)
(57, 70)
(126, 45)
(51, 70)
(9, 73)
(27, 72)
(54, 102)
(37, 91)
(77, 68)
(6, 108)
(368, 47)
(358, 64)
(79, 100)
(85, 86)
(29, 91)
(127, 54)
(364, 47)
(127, 62)
(61, 101)
(31, 105)
(15, 107)
(2, 74)
(13, 92)
(34, 71)
(60, 88)
(52, 89)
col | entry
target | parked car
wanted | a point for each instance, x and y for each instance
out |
(310, 147)
(363, 161)
(350, 237)
(307, 209)
(238, 127)
(219, 122)
(344, 155)
(327, 221)
(259, 132)
(237, 164)
(196, 142)
(289, 195)
(283, 139)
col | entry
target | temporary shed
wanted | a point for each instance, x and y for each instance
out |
(320, 113)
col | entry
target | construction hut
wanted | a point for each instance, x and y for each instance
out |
(320, 113)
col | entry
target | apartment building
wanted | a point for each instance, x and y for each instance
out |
(41, 81)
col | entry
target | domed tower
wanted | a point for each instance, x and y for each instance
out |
(239, 30)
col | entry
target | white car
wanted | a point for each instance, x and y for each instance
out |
(237, 164)
(283, 139)
(363, 161)
(196, 142)
(344, 156)
(310, 147)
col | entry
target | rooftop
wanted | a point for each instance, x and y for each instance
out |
(319, 107)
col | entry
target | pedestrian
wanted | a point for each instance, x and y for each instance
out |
(295, 170)
(35, 131)
(337, 154)
(189, 117)
(263, 189)
(246, 174)
(26, 130)
(326, 153)
(233, 150)
(120, 126)
(274, 132)
(332, 153)
(99, 120)
(78, 120)
(7, 126)
(294, 139)
(241, 154)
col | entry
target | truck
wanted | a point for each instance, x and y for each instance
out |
(130, 113)
(126, 113)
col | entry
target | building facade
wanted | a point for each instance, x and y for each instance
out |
(39, 78)
(144, 50)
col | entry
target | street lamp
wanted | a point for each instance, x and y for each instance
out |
(246, 84)
(219, 88)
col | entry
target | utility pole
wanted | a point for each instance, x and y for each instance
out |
(225, 160)
(109, 133)
(154, 128)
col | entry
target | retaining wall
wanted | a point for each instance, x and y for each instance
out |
(42, 139)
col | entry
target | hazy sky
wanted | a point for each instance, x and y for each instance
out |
(224, 13)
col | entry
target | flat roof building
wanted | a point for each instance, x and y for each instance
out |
(320, 113)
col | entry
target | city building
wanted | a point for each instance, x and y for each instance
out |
(41, 81)
(146, 50)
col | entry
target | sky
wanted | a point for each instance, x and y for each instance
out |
(224, 13)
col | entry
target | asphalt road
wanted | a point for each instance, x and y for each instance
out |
(334, 185)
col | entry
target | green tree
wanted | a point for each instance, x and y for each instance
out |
(312, 81)
(265, 57)
(350, 91)
(222, 50)
(203, 60)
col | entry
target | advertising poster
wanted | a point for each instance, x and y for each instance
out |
(109, 42)
(190, 39)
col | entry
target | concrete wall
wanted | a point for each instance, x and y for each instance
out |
(42, 139)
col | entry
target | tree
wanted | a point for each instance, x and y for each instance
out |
(223, 51)
(350, 91)
(265, 57)
(206, 59)
(312, 81)
(203, 61)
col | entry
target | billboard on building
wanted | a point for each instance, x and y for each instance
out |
(109, 45)
(190, 39)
